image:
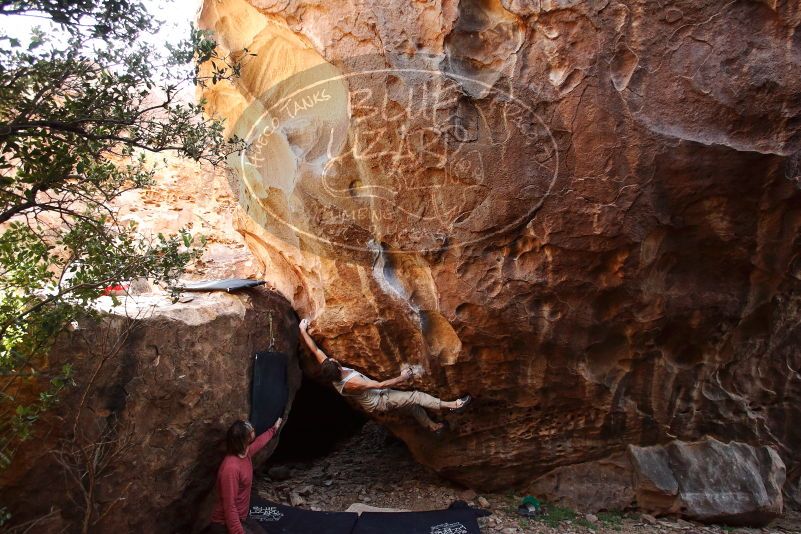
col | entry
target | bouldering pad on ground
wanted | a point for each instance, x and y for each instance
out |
(360, 508)
(269, 389)
(451, 521)
(277, 518)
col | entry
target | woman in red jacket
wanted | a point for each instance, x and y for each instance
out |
(235, 478)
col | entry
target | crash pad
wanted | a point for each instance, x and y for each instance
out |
(269, 390)
(227, 284)
(278, 518)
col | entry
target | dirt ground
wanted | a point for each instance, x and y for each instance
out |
(375, 469)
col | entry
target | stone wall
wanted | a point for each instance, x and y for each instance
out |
(158, 384)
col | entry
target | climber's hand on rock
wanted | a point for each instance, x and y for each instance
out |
(304, 324)
(407, 374)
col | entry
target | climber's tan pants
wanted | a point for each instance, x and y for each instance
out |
(414, 402)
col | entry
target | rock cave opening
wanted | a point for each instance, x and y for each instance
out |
(318, 421)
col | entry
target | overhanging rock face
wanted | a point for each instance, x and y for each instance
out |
(583, 213)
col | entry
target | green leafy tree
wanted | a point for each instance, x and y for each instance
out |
(80, 105)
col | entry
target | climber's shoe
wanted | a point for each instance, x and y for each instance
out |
(464, 401)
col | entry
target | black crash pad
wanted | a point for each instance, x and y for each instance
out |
(228, 284)
(451, 521)
(277, 518)
(269, 390)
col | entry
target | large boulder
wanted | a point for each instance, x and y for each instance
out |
(139, 438)
(583, 213)
(594, 486)
(710, 481)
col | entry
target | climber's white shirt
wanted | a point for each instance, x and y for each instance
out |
(368, 399)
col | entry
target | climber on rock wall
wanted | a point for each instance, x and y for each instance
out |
(375, 396)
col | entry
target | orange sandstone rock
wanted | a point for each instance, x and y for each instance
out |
(585, 214)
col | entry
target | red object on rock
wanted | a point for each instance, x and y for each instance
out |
(114, 289)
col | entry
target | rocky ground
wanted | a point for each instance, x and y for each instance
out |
(375, 469)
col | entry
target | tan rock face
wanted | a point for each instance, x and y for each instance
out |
(198, 198)
(583, 213)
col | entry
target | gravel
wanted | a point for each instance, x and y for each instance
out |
(376, 469)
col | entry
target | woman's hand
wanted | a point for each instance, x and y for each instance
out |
(304, 324)
(407, 374)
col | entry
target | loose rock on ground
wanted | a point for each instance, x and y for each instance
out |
(373, 467)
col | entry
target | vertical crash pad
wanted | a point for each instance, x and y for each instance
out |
(269, 389)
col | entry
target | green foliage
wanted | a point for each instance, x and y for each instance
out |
(553, 516)
(612, 519)
(556, 514)
(106, 19)
(80, 104)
